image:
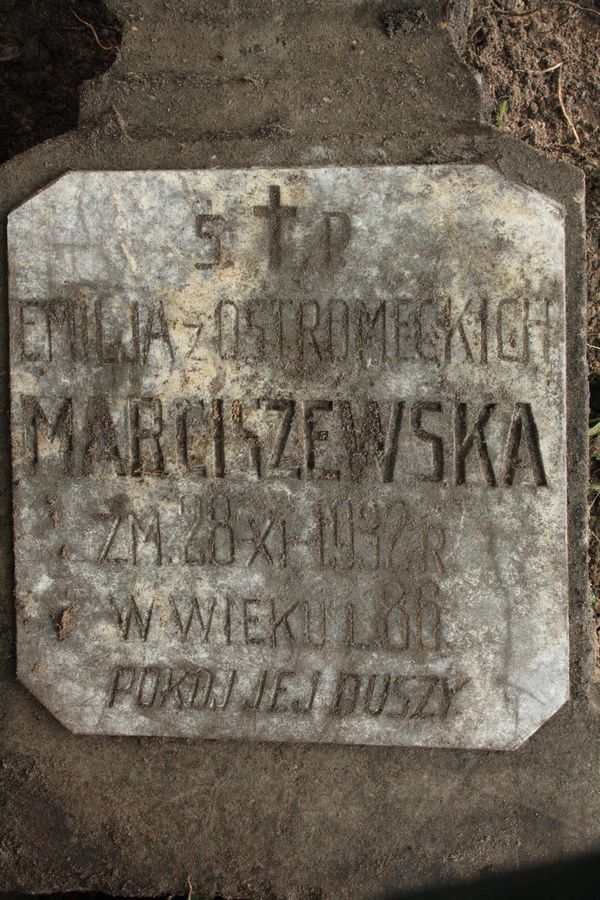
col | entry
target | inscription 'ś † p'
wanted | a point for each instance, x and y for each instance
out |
(288, 454)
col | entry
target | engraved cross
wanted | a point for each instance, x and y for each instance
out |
(274, 213)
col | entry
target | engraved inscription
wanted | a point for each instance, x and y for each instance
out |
(291, 333)
(157, 439)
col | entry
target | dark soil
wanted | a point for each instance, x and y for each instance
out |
(45, 54)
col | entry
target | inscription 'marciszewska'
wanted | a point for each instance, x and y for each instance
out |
(317, 439)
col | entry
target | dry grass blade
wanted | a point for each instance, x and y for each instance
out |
(190, 892)
(580, 6)
(561, 99)
(564, 108)
(94, 32)
(529, 12)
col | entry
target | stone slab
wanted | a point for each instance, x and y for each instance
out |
(289, 454)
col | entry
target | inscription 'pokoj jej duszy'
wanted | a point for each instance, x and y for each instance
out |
(289, 454)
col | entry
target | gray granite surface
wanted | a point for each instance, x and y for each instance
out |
(289, 454)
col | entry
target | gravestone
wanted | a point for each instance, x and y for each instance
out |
(298, 448)
(288, 464)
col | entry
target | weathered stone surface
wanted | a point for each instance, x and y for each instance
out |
(289, 454)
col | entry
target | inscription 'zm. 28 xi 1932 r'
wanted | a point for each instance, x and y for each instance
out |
(288, 452)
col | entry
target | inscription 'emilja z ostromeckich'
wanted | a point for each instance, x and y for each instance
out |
(289, 454)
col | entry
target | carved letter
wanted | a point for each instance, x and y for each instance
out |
(100, 437)
(139, 433)
(463, 443)
(370, 438)
(523, 420)
(36, 421)
(437, 443)
(124, 618)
